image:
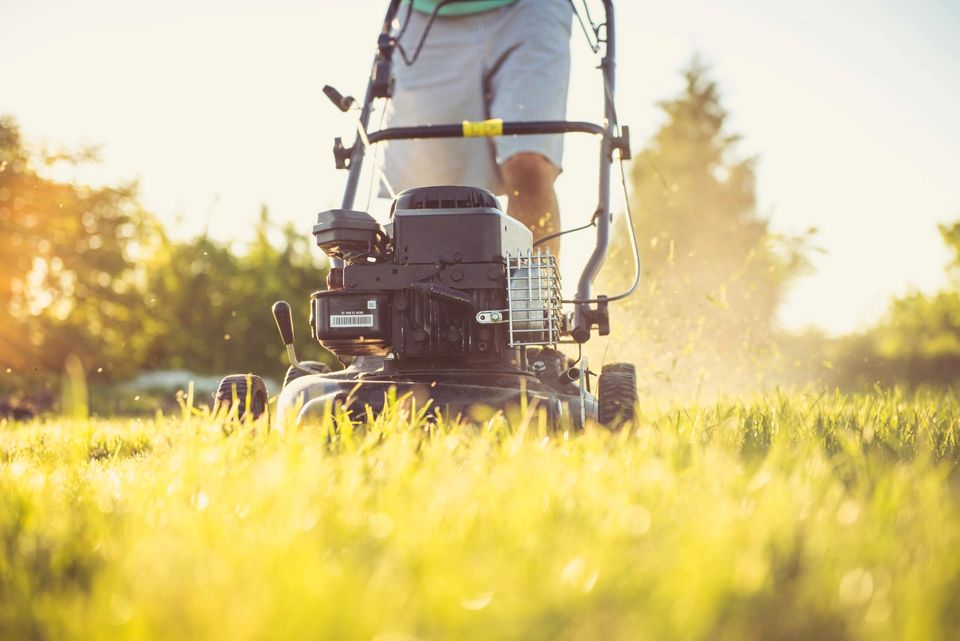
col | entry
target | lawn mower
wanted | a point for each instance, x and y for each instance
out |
(451, 303)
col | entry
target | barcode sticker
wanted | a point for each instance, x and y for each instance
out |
(351, 320)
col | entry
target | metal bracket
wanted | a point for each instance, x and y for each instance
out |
(491, 316)
(584, 389)
(599, 318)
(341, 154)
(622, 143)
(381, 85)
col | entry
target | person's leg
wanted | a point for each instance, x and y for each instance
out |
(528, 178)
(526, 75)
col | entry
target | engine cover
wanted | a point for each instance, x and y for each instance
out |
(454, 224)
(417, 294)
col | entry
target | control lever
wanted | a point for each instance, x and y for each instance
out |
(341, 102)
(281, 314)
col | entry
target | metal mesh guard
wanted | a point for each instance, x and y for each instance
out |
(535, 311)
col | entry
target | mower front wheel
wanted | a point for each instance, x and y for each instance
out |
(243, 391)
(617, 394)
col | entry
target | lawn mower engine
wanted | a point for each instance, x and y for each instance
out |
(451, 279)
(447, 304)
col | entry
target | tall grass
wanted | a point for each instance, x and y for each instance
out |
(789, 517)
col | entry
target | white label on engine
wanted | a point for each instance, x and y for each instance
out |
(351, 320)
(372, 304)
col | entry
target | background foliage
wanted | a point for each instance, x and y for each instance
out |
(86, 271)
(69, 275)
(918, 339)
(714, 275)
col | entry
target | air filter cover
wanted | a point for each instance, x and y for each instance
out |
(348, 234)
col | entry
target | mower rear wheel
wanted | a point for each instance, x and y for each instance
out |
(293, 373)
(238, 387)
(617, 394)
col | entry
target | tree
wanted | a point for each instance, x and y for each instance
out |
(210, 307)
(714, 274)
(68, 278)
(86, 271)
(917, 340)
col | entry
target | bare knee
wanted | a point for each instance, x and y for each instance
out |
(529, 172)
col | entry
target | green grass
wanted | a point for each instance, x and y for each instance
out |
(790, 517)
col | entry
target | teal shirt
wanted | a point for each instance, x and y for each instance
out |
(460, 8)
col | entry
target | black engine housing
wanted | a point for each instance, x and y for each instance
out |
(414, 289)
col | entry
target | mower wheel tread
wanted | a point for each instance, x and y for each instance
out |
(617, 394)
(235, 386)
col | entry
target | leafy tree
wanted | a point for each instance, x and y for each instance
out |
(69, 274)
(917, 341)
(86, 271)
(714, 274)
(210, 307)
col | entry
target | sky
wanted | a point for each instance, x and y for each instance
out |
(216, 107)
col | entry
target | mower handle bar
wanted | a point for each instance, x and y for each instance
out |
(584, 316)
(526, 128)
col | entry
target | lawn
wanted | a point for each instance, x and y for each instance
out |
(791, 516)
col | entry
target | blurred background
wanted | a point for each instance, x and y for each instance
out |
(794, 188)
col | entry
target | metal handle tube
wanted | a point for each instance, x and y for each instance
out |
(581, 323)
(356, 155)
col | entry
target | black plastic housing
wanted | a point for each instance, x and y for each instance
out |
(352, 323)
(349, 235)
(441, 259)
(445, 197)
(454, 224)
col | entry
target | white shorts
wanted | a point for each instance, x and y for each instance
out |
(511, 63)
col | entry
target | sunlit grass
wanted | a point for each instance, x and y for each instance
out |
(790, 517)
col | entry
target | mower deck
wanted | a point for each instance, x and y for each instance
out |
(450, 391)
